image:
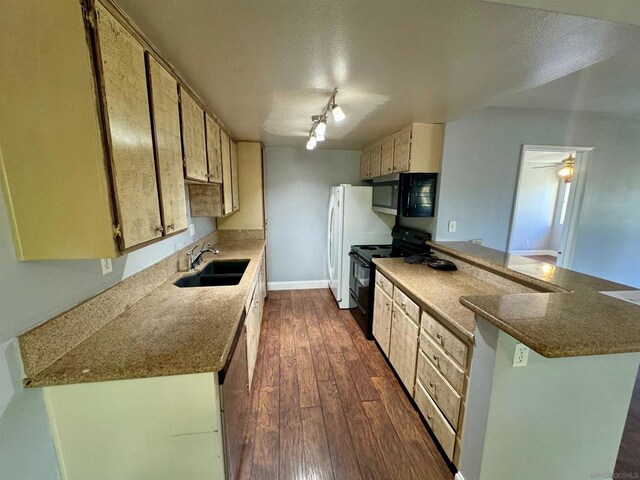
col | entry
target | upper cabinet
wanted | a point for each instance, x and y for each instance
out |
(227, 188)
(124, 83)
(214, 153)
(194, 150)
(95, 140)
(235, 195)
(163, 89)
(416, 148)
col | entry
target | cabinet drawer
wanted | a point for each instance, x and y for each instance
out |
(444, 394)
(445, 365)
(408, 306)
(441, 428)
(451, 344)
(384, 283)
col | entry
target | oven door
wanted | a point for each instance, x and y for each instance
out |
(386, 194)
(359, 292)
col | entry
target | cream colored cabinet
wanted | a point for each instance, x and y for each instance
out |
(214, 152)
(227, 188)
(382, 312)
(194, 149)
(235, 191)
(163, 89)
(416, 148)
(127, 111)
(374, 161)
(386, 157)
(364, 165)
(253, 321)
(403, 348)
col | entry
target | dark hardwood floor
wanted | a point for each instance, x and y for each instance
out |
(628, 464)
(325, 404)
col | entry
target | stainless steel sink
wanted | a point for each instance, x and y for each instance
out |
(215, 274)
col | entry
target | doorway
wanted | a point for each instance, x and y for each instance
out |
(547, 203)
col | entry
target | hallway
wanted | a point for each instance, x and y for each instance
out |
(324, 403)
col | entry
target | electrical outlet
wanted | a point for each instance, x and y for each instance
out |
(106, 265)
(178, 247)
(452, 226)
(192, 229)
(521, 355)
(477, 241)
(526, 243)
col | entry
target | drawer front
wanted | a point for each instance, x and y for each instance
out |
(442, 393)
(403, 348)
(449, 369)
(384, 283)
(441, 428)
(408, 306)
(451, 344)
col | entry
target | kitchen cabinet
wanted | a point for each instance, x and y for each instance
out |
(227, 188)
(416, 148)
(382, 312)
(374, 161)
(253, 322)
(206, 200)
(364, 165)
(403, 348)
(386, 157)
(92, 134)
(214, 152)
(122, 63)
(235, 199)
(193, 138)
(163, 90)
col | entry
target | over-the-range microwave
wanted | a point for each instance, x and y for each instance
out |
(405, 194)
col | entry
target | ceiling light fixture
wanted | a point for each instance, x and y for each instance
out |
(319, 125)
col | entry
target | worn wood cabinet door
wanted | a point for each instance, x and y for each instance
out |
(235, 191)
(214, 153)
(403, 348)
(374, 162)
(386, 157)
(163, 89)
(364, 165)
(124, 81)
(193, 142)
(402, 151)
(382, 319)
(227, 189)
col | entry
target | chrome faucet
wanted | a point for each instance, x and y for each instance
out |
(195, 259)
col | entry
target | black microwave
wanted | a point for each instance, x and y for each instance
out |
(406, 194)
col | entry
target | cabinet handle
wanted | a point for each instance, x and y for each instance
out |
(159, 229)
(429, 417)
(170, 227)
(438, 336)
(435, 357)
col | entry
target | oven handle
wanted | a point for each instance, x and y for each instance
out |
(355, 257)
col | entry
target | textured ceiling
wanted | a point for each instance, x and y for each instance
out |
(265, 67)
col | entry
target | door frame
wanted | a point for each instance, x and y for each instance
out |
(576, 197)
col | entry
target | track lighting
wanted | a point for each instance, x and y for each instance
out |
(319, 125)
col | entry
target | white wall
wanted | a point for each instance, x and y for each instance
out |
(297, 183)
(479, 174)
(535, 213)
(30, 293)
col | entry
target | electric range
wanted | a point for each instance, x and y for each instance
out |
(406, 242)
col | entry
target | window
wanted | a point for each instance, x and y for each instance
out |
(565, 201)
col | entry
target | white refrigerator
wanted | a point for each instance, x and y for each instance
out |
(351, 222)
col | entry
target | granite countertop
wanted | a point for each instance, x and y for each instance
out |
(170, 331)
(439, 292)
(569, 317)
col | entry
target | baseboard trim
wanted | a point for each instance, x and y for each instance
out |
(553, 253)
(302, 285)
(458, 476)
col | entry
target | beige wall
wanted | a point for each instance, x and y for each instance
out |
(251, 213)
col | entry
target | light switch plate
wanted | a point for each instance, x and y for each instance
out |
(192, 229)
(452, 226)
(106, 265)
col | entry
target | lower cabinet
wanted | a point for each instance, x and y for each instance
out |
(382, 312)
(253, 320)
(430, 360)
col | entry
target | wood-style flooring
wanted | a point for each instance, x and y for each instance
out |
(325, 404)
(628, 464)
(543, 258)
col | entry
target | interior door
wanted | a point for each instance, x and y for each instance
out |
(131, 146)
